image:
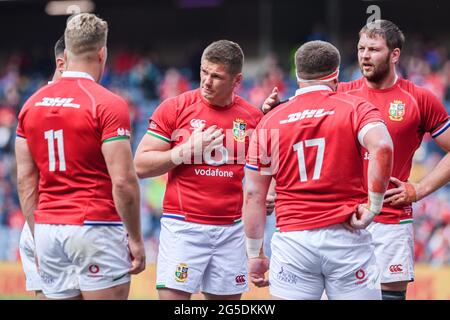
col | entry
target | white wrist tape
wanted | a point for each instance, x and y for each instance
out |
(375, 201)
(253, 247)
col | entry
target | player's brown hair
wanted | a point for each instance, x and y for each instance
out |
(227, 53)
(316, 59)
(85, 33)
(386, 29)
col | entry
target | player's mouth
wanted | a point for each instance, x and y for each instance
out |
(367, 66)
(207, 91)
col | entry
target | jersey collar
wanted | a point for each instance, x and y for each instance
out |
(77, 74)
(318, 87)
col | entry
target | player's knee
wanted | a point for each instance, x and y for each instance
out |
(393, 295)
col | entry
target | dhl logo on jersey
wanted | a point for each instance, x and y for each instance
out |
(57, 102)
(396, 110)
(306, 114)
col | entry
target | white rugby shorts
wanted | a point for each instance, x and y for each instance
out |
(394, 250)
(27, 256)
(305, 263)
(196, 257)
(74, 258)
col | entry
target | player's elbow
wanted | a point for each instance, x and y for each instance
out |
(124, 183)
(384, 153)
(254, 194)
(141, 168)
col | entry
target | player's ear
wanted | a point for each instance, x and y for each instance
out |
(102, 54)
(335, 83)
(60, 64)
(237, 79)
(395, 55)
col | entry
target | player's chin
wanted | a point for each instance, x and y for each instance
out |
(208, 94)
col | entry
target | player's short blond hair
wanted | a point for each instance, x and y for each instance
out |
(227, 53)
(316, 59)
(84, 33)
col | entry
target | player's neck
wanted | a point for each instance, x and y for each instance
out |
(385, 83)
(92, 70)
(220, 102)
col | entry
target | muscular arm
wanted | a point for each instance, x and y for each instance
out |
(27, 181)
(407, 192)
(126, 196)
(125, 189)
(254, 216)
(153, 157)
(379, 144)
(254, 209)
(440, 175)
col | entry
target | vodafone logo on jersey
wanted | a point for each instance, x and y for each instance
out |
(197, 123)
(396, 268)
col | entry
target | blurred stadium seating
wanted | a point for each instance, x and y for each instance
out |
(139, 77)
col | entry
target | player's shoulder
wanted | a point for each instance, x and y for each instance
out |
(250, 108)
(351, 85)
(345, 99)
(415, 90)
(182, 101)
(102, 95)
(38, 96)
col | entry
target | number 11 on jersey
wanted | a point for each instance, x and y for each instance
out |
(50, 136)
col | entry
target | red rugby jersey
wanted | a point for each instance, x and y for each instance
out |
(319, 171)
(65, 124)
(205, 191)
(409, 111)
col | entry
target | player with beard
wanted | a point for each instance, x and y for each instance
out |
(409, 112)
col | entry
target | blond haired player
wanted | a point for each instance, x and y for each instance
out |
(76, 179)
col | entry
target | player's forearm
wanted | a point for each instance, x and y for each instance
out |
(379, 172)
(27, 188)
(127, 200)
(156, 163)
(254, 214)
(438, 177)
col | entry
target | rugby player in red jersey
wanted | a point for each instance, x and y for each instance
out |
(200, 138)
(76, 180)
(409, 112)
(26, 244)
(312, 146)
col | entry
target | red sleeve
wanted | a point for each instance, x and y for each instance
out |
(259, 154)
(163, 121)
(365, 114)
(114, 119)
(20, 131)
(435, 119)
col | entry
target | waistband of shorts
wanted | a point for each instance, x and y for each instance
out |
(182, 217)
(103, 223)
